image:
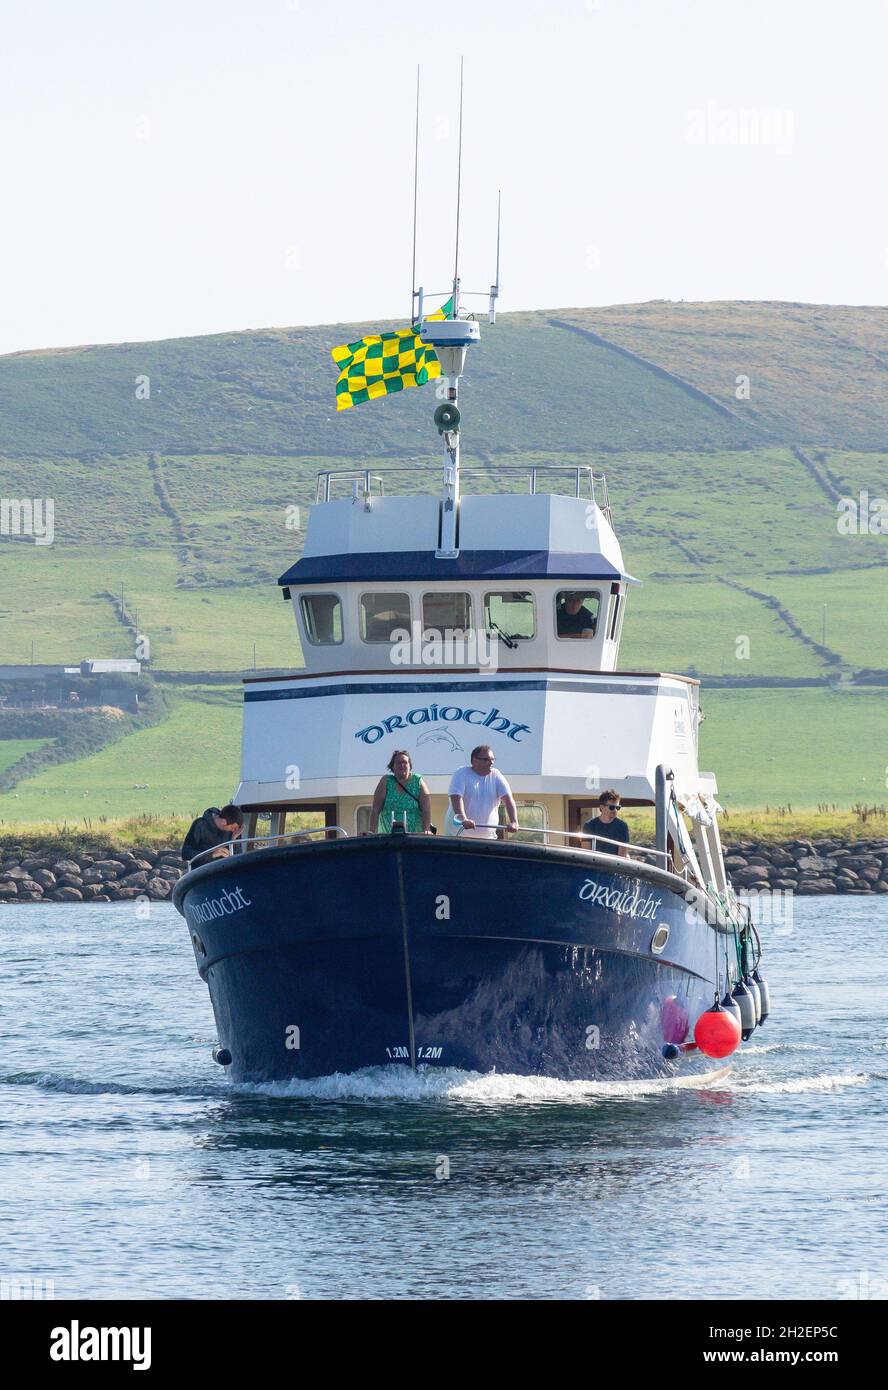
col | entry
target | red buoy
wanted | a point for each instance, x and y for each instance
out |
(717, 1032)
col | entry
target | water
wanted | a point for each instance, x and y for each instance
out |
(131, 1169)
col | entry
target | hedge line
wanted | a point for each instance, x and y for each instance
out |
(75, 734)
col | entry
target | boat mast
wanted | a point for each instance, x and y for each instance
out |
(450, 338)
(455, 313)
(453, 359)
(413, 311)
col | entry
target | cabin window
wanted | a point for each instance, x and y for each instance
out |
(322, 619)
(576, 613)
(531, 817)
(447, 612)
(509, 613)
(362, 820)
(383, 616)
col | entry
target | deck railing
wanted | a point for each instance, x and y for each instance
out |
(631, 850)
(336, 832)
(254, 842)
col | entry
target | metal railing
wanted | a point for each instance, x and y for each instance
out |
(363, 479)
(631, 850)
(604, 504)
(254, 842)
(300, 837)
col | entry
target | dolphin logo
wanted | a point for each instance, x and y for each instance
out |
(440, 736)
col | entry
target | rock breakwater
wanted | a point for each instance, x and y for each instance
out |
(100, 876)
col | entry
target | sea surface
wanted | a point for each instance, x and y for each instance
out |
(131, 1168)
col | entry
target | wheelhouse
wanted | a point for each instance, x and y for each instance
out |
(538, 579)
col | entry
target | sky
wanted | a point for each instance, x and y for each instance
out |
(181, 167)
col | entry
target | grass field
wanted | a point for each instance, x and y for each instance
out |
(54, 597)
(12, 749)
(856, 616)
(696, 624)
(188, 762)
(800, 748)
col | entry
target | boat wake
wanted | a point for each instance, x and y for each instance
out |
(78, 1086)
(799, 1085)
(449, 1083)
(398, 1083)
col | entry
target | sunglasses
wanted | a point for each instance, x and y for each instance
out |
(484, 760)
(612, 806)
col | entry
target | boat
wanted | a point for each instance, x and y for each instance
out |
(428, 615)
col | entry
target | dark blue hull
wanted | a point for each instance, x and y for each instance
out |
(472, 954)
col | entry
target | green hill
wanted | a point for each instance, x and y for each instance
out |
(816, 371)
(171, 513)
(272, 393)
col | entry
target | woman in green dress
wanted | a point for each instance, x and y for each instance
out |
(401, 795)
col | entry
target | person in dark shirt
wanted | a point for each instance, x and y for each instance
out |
(573, 618)
(607, 824)
(214, 830)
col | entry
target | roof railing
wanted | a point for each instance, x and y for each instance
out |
(586, 482)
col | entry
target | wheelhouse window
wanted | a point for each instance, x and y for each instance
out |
(447, 612)
(322, 619)
(509, 613)
(576, 613)
(383, 615)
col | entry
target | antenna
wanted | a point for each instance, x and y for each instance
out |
(458, 191)
(451, 339)
(413, 315)
(494, 288)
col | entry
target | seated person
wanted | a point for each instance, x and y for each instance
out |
(573, 618)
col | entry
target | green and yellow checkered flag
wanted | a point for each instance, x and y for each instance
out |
(385, 362)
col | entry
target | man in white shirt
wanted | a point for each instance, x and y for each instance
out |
(475, 795)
